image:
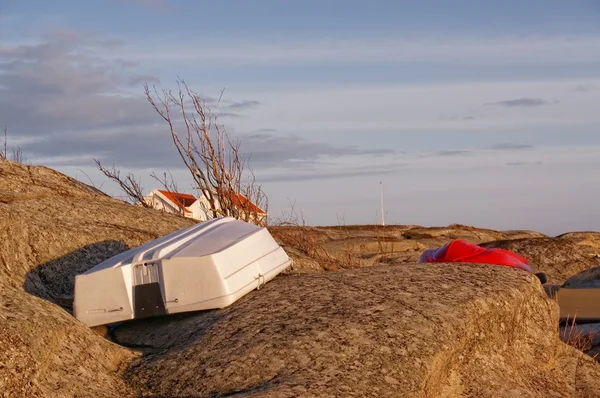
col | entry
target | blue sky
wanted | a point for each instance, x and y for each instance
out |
(481, 113)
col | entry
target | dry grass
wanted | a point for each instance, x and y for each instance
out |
(301, 238)
(342, 251)
(9, 197)
(578, 339)
(307, 241)
(571, 334)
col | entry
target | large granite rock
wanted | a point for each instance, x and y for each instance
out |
(558, 258)
(588, 239)
(440, 330)
(51, 228)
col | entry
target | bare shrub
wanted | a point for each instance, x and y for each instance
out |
(17, 153)
(129, 184)
(3, 152)
(214, 161)
(290, 230)
(91, 182)
(576, 338)
(289, 217)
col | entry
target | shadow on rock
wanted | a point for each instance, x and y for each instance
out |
(55, 280)
(153, 336)
(158, 336)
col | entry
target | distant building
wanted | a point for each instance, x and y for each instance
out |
(197, 208)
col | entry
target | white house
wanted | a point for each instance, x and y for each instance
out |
(179, 203)
(190, 206)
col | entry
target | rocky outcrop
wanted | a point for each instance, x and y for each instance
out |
(590, 241)
(558, 258)
(51, 228)
(443, 330)
(45, 352)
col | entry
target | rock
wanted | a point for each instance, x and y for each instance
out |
(589, 278)
(51, 228)
(587, 239)
(558, 258)
(454, 231)
(522, 234)
(45, 352)
(101, 330)
(491, 331)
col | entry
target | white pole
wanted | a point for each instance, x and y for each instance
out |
(382, 212)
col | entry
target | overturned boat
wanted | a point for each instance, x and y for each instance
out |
(579, 297)
(208, 265)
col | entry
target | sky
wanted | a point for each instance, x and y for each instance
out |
(475, 112)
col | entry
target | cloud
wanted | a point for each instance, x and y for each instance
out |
(509, 146)
(350, 172)
(452, 153)
(138, 80)
(65, 104)
(232, 115)
(292, 151)
(523, 102)
(265, 130)
(585, 88)
(457, 118)
(150, 147)
(450, 50)
(243, 105)
(518, 163)
(410, 108)
(58, 85)
(506, 146)
(147, 144)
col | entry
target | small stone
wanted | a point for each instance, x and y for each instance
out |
(391, 380)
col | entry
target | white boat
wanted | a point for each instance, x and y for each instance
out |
(208, 265)
(579, 297)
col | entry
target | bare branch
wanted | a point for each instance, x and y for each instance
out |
(289, 218)
(91, 181)
(18, 156)
(129, 184)
(4, 153)
(17, 153)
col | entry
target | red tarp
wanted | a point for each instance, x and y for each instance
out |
(464, 252)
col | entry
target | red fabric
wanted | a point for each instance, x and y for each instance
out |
(461, 251)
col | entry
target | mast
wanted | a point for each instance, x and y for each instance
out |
(382, 211)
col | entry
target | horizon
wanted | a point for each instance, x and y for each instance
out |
(472, 113)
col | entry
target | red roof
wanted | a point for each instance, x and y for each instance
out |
(240, 200)
(180, 199)
(185, 200)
